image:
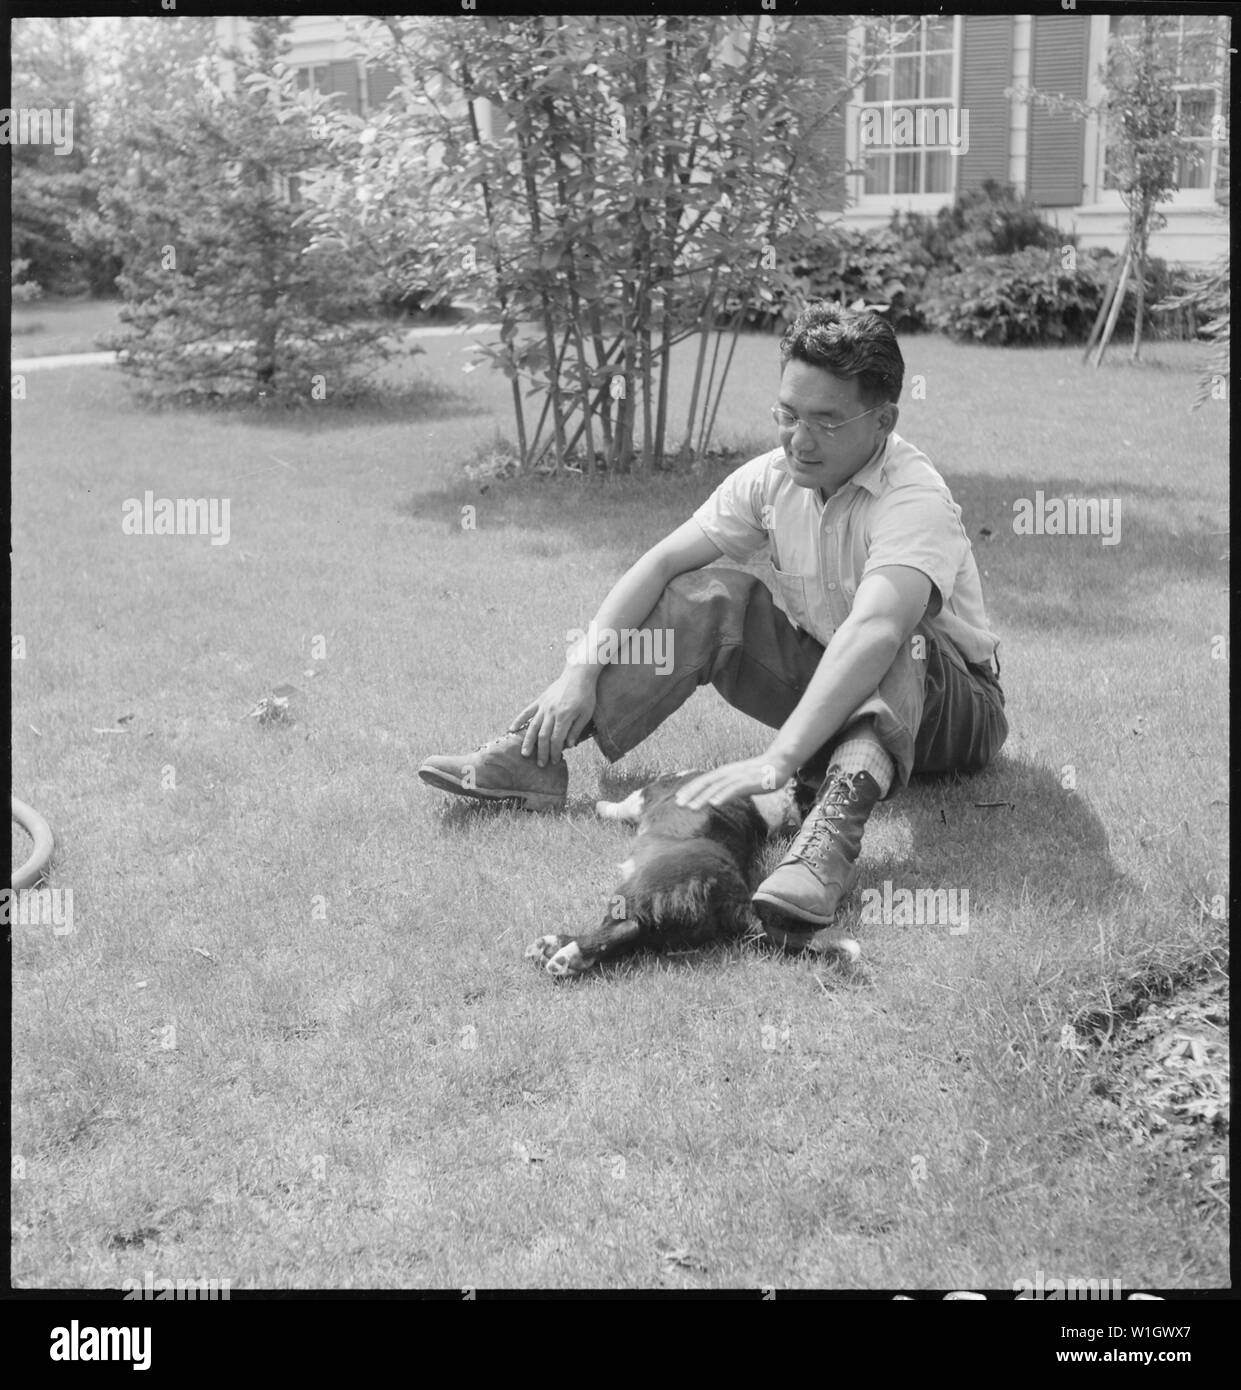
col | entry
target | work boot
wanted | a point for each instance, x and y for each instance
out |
(821, 866)
(496, 771)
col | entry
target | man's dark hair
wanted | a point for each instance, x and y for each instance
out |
(848, 342)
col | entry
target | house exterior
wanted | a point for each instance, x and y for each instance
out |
(945, 112)
(975, 67)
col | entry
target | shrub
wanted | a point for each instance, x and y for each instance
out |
(1024, 297)
(990, 220)
(875, 267)
(849, 265)
(225, 296)
(21, 290)
(898, 266)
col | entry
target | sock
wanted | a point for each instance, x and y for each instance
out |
(865, 754)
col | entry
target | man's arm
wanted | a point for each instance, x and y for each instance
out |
(556, 719)
(889, 604)
(637, 591)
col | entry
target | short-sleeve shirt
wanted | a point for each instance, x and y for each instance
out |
(896, 510)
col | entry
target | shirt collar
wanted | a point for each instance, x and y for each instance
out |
(870, 475)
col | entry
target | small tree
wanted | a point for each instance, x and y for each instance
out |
(224, 296)
(639, 176)
(1144, 145)
(1211, 297)
(54, 69)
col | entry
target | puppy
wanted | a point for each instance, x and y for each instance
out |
(687, 882)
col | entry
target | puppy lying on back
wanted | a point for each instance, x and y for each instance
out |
(687, 882)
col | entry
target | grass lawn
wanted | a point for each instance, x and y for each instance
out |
(291, 1040)
(51, 327)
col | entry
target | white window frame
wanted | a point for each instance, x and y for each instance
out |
(859, 201)
(312, 83)
(1096, 144)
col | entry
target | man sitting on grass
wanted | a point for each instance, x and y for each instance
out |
(879, 665)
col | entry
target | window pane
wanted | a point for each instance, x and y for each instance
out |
(904, 79)
(1197, 108)
(878, 173)
(1200, 56)
(1194, 173)
(906, 173)
(938, 172)
(938, 75)
(938, 34)
(1167, 45)
(878, 88)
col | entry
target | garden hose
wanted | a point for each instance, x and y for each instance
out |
(37, 828)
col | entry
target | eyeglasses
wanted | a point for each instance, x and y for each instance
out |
(786, 420)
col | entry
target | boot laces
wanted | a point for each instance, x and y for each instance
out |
(495, 742)
(822, 821)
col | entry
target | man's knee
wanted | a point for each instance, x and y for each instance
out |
(713, 600)
(713, 584)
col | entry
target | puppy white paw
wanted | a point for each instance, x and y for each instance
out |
(544, 948)
(567, 961)
(835, 941)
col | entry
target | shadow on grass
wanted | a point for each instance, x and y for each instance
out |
(1012, 825)
(610, 509)
(416, 403)
(1011, 835)
(1076, 583)
(1042, 582)
(1013, 822)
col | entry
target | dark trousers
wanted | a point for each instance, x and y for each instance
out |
(933, 711)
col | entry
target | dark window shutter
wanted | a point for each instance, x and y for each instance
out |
(986, 69)
(379, 84)
(343, 77)
(1057, 139)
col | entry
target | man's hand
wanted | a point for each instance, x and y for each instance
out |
(556, 719)
(766, 773)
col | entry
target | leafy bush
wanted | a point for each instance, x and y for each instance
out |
(1025, 297)
(848, 265)
(21, 290)
(898, 266)
(990, 220)
(226, 298)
